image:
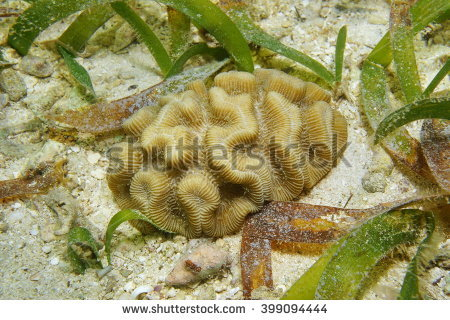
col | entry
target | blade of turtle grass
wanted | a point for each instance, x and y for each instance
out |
(213, 19)
(339, 56)
(80, 31)
(340, 271)
(363, 249)
(116, 221)
(437, 79)
(40, 15)
(425, 109)
(374, 92)
(78, 72)
(256, 35)
(422, 12)
(180, 27)
(196, 49)
(305, 287)
(402, 47)
(410, 288)
(82, 236)
(145, 35)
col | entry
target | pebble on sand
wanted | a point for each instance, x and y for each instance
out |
(46, 249)
(36, 66)
(4, 99)
(13, 84)
(3, 227)
(98, 174)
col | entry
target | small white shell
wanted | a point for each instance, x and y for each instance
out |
(139, 292)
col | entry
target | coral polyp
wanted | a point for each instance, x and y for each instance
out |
(205, 158)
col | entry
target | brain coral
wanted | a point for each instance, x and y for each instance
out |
(205, 158)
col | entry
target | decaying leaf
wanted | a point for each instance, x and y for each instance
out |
(106, 117)
(36, 181)
(407, 152)
(286, 222)
(435, 138)
(256, 263)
